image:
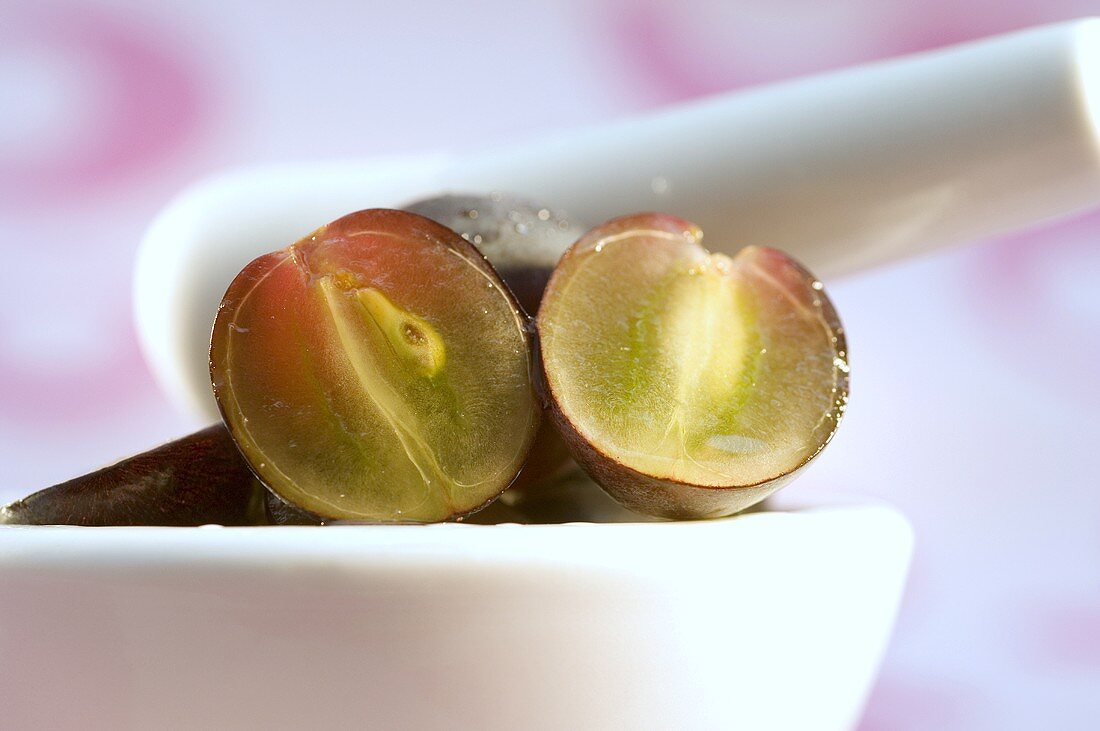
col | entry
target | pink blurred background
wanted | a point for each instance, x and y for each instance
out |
(974, 402)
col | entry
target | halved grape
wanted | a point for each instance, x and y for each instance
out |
(378, 370)
(689, 384)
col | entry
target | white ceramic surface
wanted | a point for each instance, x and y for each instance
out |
(772, 620)
(845, 170)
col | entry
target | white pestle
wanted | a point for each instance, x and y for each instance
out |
(845, 170)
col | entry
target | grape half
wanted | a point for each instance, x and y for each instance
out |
(378, 370)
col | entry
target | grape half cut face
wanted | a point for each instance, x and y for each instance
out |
(689, 384)
(378, 370)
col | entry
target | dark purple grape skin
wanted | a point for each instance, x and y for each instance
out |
(196, 480)
(279, 512)
(521, 239)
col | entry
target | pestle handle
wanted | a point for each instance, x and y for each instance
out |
(853, 168)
